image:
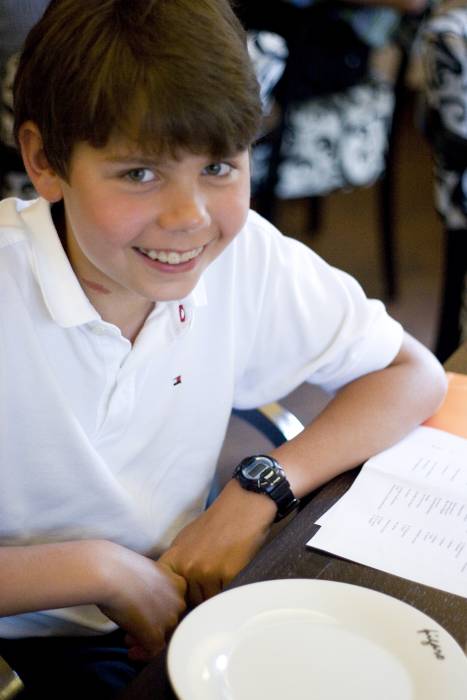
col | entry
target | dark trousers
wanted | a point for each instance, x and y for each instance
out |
(70, 667)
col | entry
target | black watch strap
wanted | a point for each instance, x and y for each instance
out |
(284, 499)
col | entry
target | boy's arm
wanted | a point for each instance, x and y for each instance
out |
(141, 596)
(365, 417)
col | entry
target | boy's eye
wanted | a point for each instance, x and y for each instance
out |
(218, 169)
(140, 175)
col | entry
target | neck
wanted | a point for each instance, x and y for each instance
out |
(129, 315)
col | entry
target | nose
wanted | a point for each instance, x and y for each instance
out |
(183, 210)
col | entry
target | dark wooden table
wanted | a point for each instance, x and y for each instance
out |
(286, 556)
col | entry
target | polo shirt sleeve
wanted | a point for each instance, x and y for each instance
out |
(302, 320)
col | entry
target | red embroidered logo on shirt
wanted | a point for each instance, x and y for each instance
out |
(177, 380)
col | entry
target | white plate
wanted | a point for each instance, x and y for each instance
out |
(303, 639)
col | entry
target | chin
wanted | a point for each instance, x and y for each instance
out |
(172, 294)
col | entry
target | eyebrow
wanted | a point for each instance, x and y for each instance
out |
(154, 161)
(131, 159)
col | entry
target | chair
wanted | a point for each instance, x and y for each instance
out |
(10, 683)
(275, 421)
(444, 52)
(350, 134)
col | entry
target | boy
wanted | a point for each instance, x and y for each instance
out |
(141, 300)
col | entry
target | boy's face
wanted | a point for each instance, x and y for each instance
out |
(149, 227)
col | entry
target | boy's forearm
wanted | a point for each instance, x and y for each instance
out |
(144, 598)
(46, 576)
(365, 417)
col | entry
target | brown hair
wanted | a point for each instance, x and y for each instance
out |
(164, 74)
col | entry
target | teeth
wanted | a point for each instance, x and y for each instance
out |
(172, 258)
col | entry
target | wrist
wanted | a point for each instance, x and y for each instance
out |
(105, 560)
(254, 506)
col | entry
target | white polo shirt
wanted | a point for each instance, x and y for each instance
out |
(102, 439)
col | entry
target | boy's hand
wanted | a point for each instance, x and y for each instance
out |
(145, 598)
(211, 550)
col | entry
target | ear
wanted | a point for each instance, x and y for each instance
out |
(45, 180)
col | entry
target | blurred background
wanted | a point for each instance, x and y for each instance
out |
(348, 235)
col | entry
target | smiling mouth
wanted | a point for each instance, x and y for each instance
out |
(170, 257)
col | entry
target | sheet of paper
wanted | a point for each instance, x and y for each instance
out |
(406, 512)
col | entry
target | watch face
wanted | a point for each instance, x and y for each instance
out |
(262, 473)
(256, 468)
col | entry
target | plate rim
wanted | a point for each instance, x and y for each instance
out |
(240, 591)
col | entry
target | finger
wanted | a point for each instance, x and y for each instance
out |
(138, 653)
(195, 594)
(143, 650)
(211, 587)
(177, 579)
(199, 591)
(149, 637)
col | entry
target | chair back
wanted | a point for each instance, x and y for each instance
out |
(444, 55)
(444, 52)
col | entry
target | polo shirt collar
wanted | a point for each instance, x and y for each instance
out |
(63, 295)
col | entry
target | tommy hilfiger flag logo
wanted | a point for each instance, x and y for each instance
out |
(177, 380)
